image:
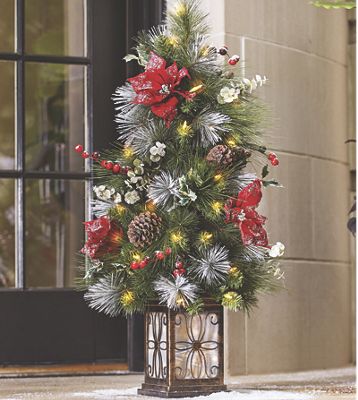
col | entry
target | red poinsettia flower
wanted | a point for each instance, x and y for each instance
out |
(250, 195)
(242, 213)
(103, 237)
(157, 87)
(252, 231)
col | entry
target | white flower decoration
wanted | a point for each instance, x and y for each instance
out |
(228, 95)
(157, 151)
(99, 188)
(277, 250)
(139, 170)
(161, 149)
(107, 194)
(104, 193)
(135, 179)
(131, 197)
(117, 198)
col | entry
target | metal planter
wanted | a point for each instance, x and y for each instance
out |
(183, 353)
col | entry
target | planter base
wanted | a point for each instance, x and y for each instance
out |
(183, 353)
(183, 391)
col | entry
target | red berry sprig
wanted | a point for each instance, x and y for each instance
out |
(179, 269)
(178, 272)
(109, 165)
(134, 265)
(79, 148)
(224, 51)
(272, 157)
(234, 59)
(140, 264)
(158, 256)
(116, 168)
(143, 264)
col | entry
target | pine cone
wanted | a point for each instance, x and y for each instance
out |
(221, 155)
(144, 228)
(243, 153)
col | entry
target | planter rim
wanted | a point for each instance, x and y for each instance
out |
(206, 301)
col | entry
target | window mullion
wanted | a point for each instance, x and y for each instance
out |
(19, 137)
(88, 97)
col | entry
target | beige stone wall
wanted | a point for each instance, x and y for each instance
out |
(303, 52)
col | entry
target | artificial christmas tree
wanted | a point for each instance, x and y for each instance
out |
(177, 232)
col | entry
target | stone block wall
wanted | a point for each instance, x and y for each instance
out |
(303, 52)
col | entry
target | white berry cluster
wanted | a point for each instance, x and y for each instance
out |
(157, 151)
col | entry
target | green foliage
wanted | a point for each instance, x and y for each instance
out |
(265, 171)
(216, 261)
(334, 4)
(195, 307)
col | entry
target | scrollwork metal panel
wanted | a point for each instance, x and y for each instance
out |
(157, 345)
(184, 353)
(197, 346)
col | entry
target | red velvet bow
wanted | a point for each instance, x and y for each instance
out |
(156, 87)
(242, 213)
(103, 237)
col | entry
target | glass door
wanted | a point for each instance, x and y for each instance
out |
(60, 62)
(44, 81)
(49, 53)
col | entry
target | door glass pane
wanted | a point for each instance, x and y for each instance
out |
(54, 116)
(54, 27)
(55, 210)
(7, 115)
(7, 233)
(7, 25)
